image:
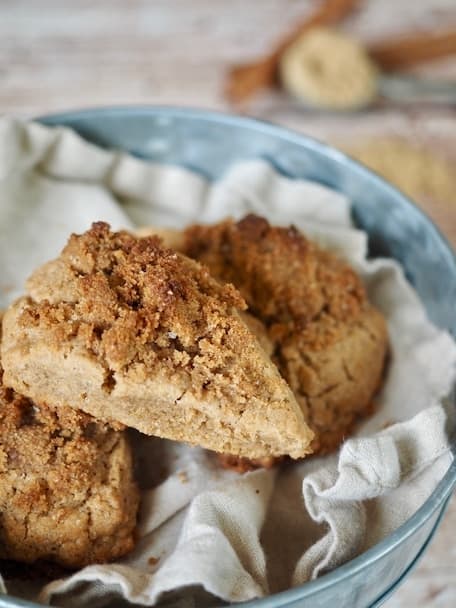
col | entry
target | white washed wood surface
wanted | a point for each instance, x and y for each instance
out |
(59, 55)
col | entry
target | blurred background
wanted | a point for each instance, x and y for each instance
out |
(57, 55)
(60, 54)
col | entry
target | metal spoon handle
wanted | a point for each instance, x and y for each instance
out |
(410, 89)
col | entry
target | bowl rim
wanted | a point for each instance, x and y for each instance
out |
(446, 485)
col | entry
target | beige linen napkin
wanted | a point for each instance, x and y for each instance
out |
(238, 537)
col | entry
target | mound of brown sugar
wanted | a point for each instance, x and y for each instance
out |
(414, 169)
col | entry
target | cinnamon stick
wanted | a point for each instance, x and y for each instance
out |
(246, 79)
(407, 51)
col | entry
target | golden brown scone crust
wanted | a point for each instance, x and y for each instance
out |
(328, 341)
(67, 493)
(129, 331)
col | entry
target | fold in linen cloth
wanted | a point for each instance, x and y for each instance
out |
(203, 528)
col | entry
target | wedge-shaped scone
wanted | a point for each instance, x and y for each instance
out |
(327, 340)
(128, 331)
(67, 493)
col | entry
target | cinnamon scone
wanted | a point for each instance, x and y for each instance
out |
(67, 493)
(129, 331)
(328, 341)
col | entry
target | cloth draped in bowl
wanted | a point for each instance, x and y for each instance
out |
(236, 537)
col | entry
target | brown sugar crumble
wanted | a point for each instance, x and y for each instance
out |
(244, 465)
(183, 477)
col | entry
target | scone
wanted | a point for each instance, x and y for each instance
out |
(327, 340)
(67, 493)
(129, 331)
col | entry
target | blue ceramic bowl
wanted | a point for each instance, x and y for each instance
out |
(209, 143)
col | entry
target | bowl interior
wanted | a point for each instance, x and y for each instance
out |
(209, 143)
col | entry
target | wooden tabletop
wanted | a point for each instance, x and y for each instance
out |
(59, 55)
